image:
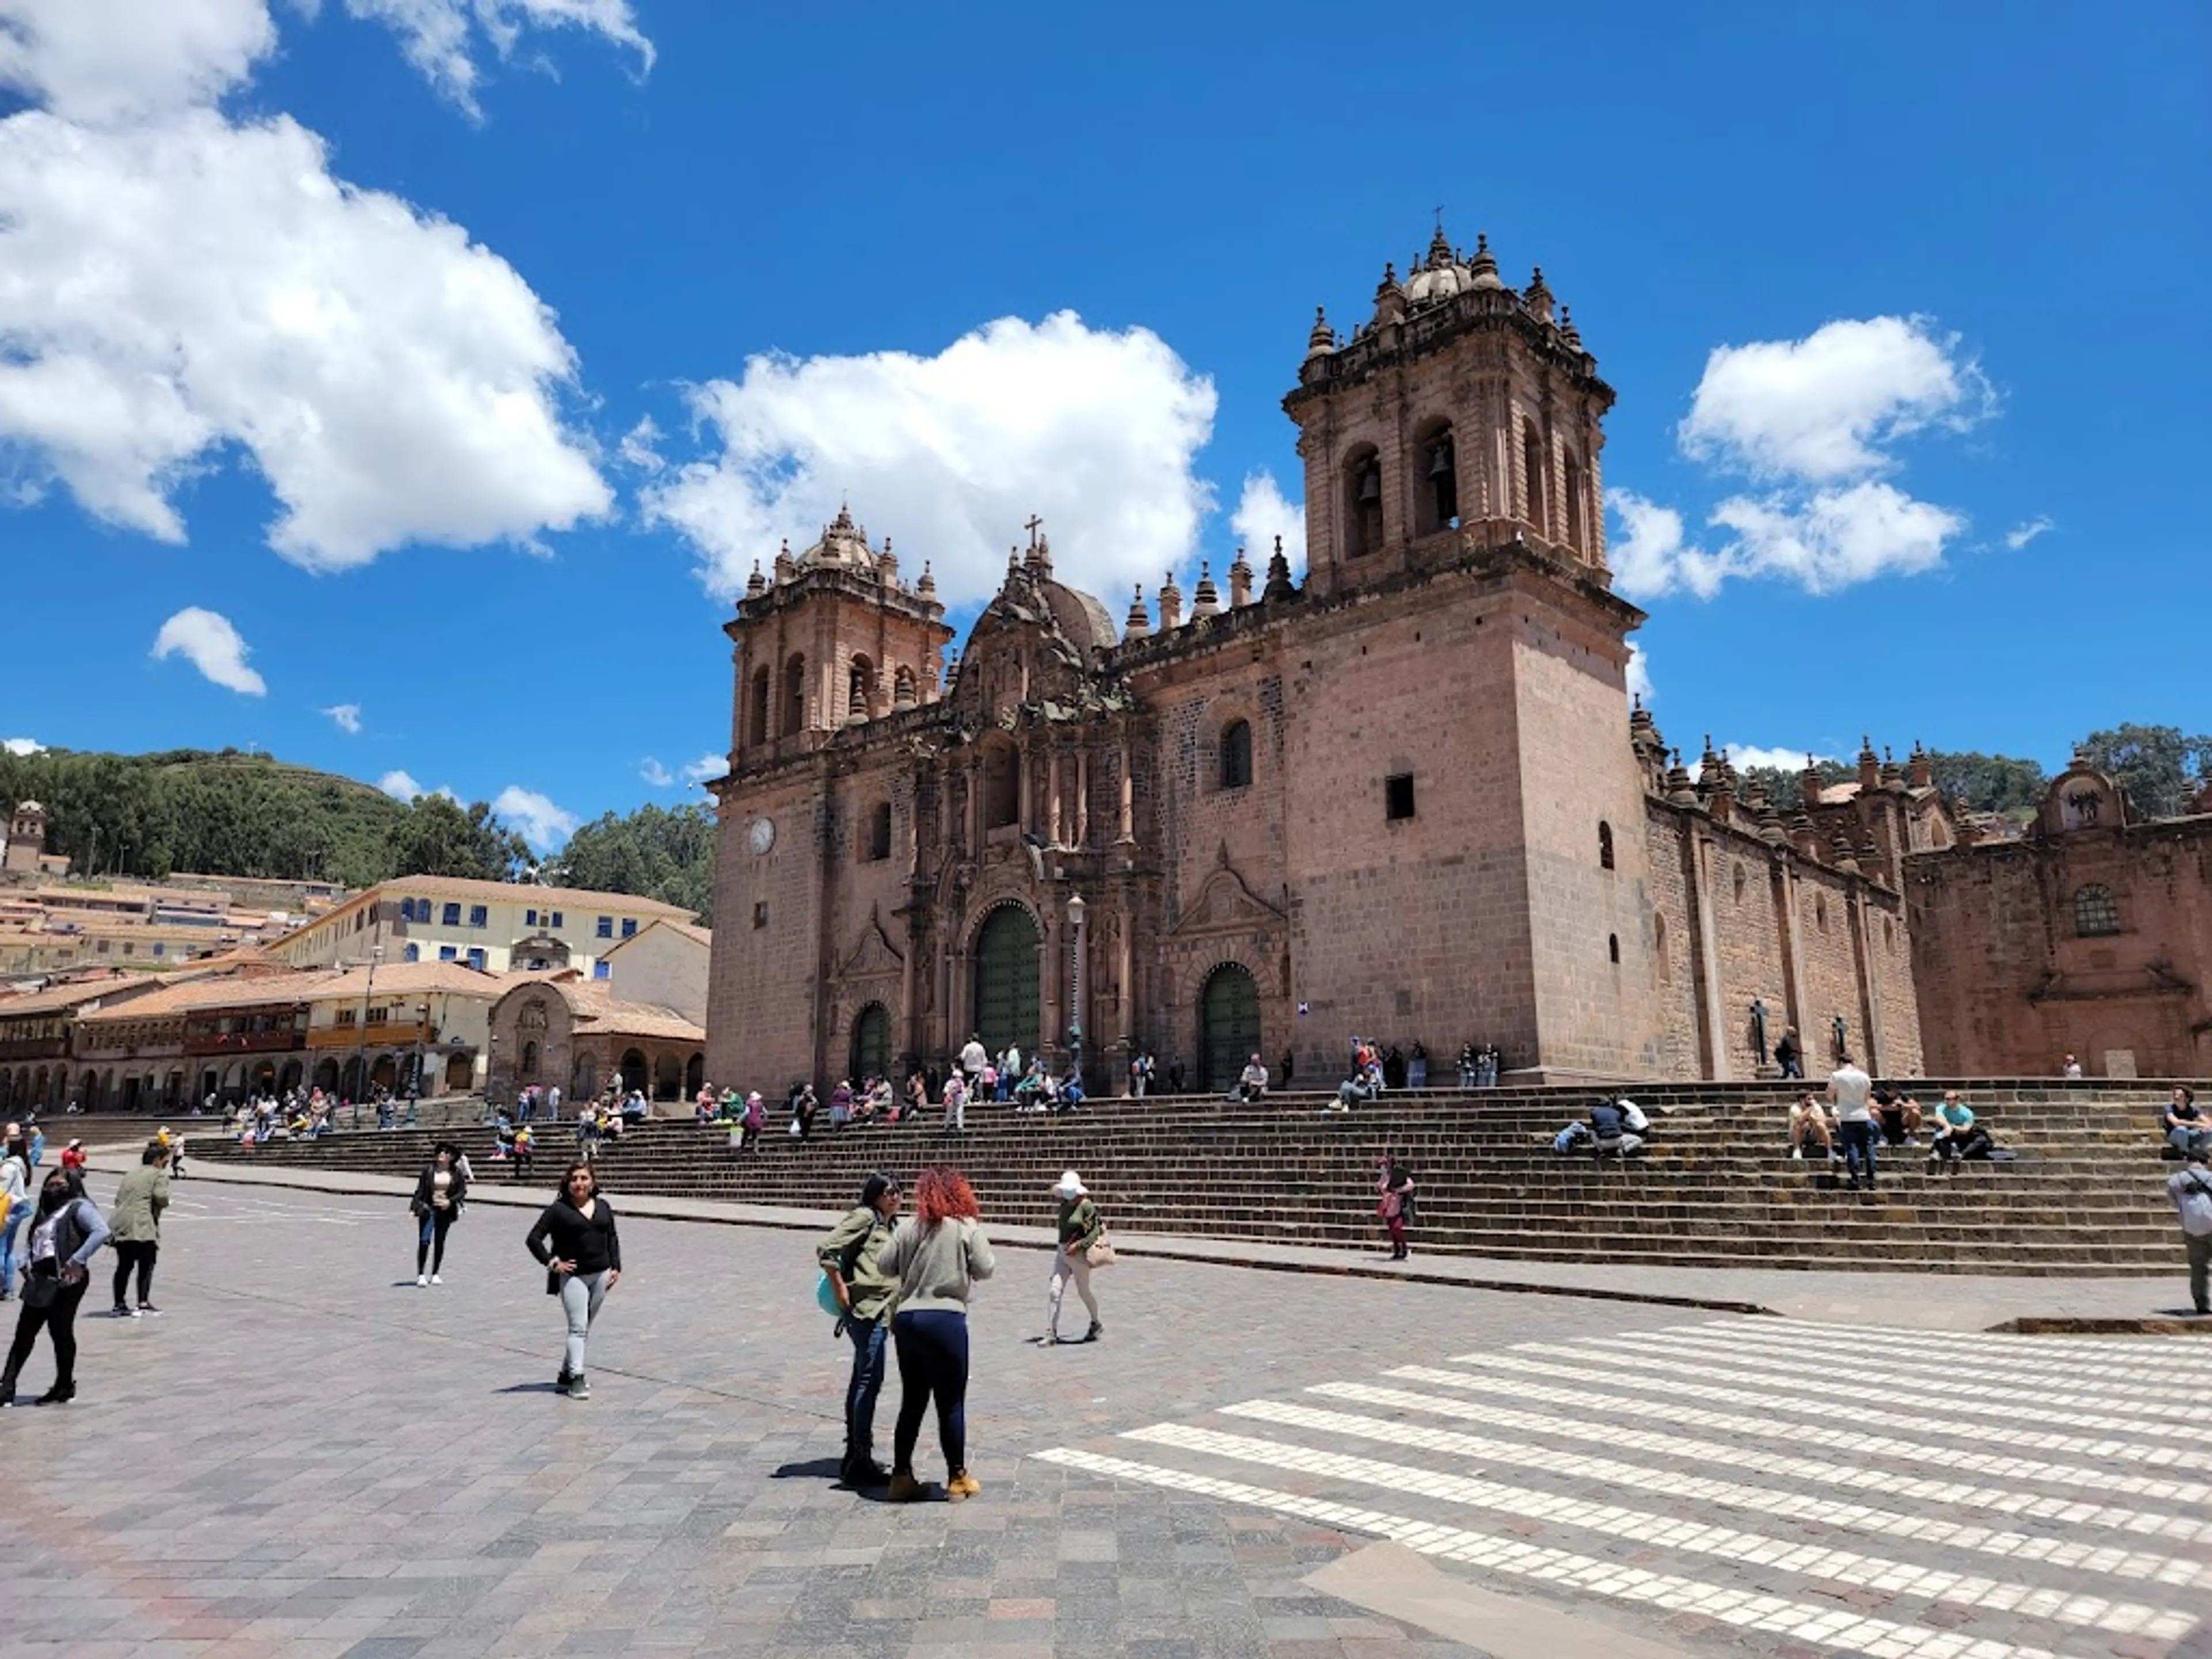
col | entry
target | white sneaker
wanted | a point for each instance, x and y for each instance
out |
(1797, 1154)
(435, 1279)
(423, 1281)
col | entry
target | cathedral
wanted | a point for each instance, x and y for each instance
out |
(1406, 798)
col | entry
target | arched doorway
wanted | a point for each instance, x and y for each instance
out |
(461, 1073)
(1228, 1025)
(326, 1076)
(871, 1043)
(349, 1079)
(584, 1080)
(383, 1073)
(633, 1071)
(265, 1077)
(529, 1070)
(88, 1094)
(1007, 1002)
(290, 1080)
(667, 1078)
(694, 1076)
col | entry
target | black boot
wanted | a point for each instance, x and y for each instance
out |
(60, 1395)
(859, 1469)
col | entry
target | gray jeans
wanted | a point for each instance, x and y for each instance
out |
(581, 1295)
(1065, 1267)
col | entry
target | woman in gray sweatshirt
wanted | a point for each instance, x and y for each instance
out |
(937, 1254)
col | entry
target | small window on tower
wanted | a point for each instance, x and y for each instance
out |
(880, 832)
(1604, 845)
(1613, 947)
(760, 914)
(1398, 796)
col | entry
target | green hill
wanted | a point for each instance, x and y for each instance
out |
(234, 814)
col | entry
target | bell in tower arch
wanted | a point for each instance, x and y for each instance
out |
(1444, 483)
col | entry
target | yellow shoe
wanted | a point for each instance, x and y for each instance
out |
(963, 1485)
(904, 1488)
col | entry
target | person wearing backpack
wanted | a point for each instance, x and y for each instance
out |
(2192, 1192)
(866, 1299)
(66, 1233)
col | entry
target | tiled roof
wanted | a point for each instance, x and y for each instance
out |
(599, 1014)
(75, 993)
(403, 979)
(224, 991)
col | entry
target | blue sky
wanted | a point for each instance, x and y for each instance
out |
(444, 363)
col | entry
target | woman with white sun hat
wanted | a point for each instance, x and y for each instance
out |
(1081, 1230)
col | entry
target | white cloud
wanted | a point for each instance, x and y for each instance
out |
(104, 60)
(1827, 406)
(1746, 756)
(542, 823)
(1639, 674)
(706, 767)
(207, 641)
(1094, 430)
(399, 785)
(2021, 534)
(655, 773)
(439, 37)
(637, 448)
(1836, 538)
(1262, 514)
(23, 746)
(346, 716)
(175, 285)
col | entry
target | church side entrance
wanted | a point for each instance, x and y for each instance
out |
(1007, 1000)
(871, 1044)
(1228, 1025)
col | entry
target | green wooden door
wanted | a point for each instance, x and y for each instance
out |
(1007, 988)
(1228, 1025)
(871, 1044)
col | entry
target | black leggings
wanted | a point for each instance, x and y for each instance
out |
(430, 1240)
(128, 1256)
(58, 1317)
(933, 1361)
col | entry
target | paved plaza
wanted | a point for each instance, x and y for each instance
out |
(305, 1455)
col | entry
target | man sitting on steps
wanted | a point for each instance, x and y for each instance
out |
(1808, 1124)
(1609, 1131)
(1251, 1082)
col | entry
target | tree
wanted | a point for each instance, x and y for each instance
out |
(653, 852)
(1989, 783)
(442, 838)
(2158, 767)
(1786, 788)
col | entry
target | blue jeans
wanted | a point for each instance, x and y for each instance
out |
(16, 1216)
(870, 1341)
(1859, 1141)
(933, 1360)
(2187, 1137)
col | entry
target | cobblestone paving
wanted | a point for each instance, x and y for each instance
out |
(306, 1455)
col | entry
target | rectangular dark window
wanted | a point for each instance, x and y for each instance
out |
(606, 929)
(629, 925)
(447, 953)
(530, 918)
(555, 923)
(453, 916)
(1398, 796)
(478, 915)
(476, 957)
(760, 914)
(603, 970)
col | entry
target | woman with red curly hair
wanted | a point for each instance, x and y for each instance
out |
(937, 1254)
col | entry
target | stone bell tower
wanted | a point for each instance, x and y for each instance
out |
(1462, 411)
(832, 639)
(1457, 589)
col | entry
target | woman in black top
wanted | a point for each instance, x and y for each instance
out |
(440, 1192)
(574, 1237)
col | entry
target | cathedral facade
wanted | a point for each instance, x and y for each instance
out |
(1406, 798)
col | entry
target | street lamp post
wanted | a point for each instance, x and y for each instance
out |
(422, 1028)
(1075, 999)
(360, 1048)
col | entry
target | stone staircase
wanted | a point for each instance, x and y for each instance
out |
(2084, 1196)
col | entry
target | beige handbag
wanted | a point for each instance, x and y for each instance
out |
(1101, 1255)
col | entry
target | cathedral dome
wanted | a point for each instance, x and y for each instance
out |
(843, 545)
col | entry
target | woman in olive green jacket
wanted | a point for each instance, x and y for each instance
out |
(134, 1220)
